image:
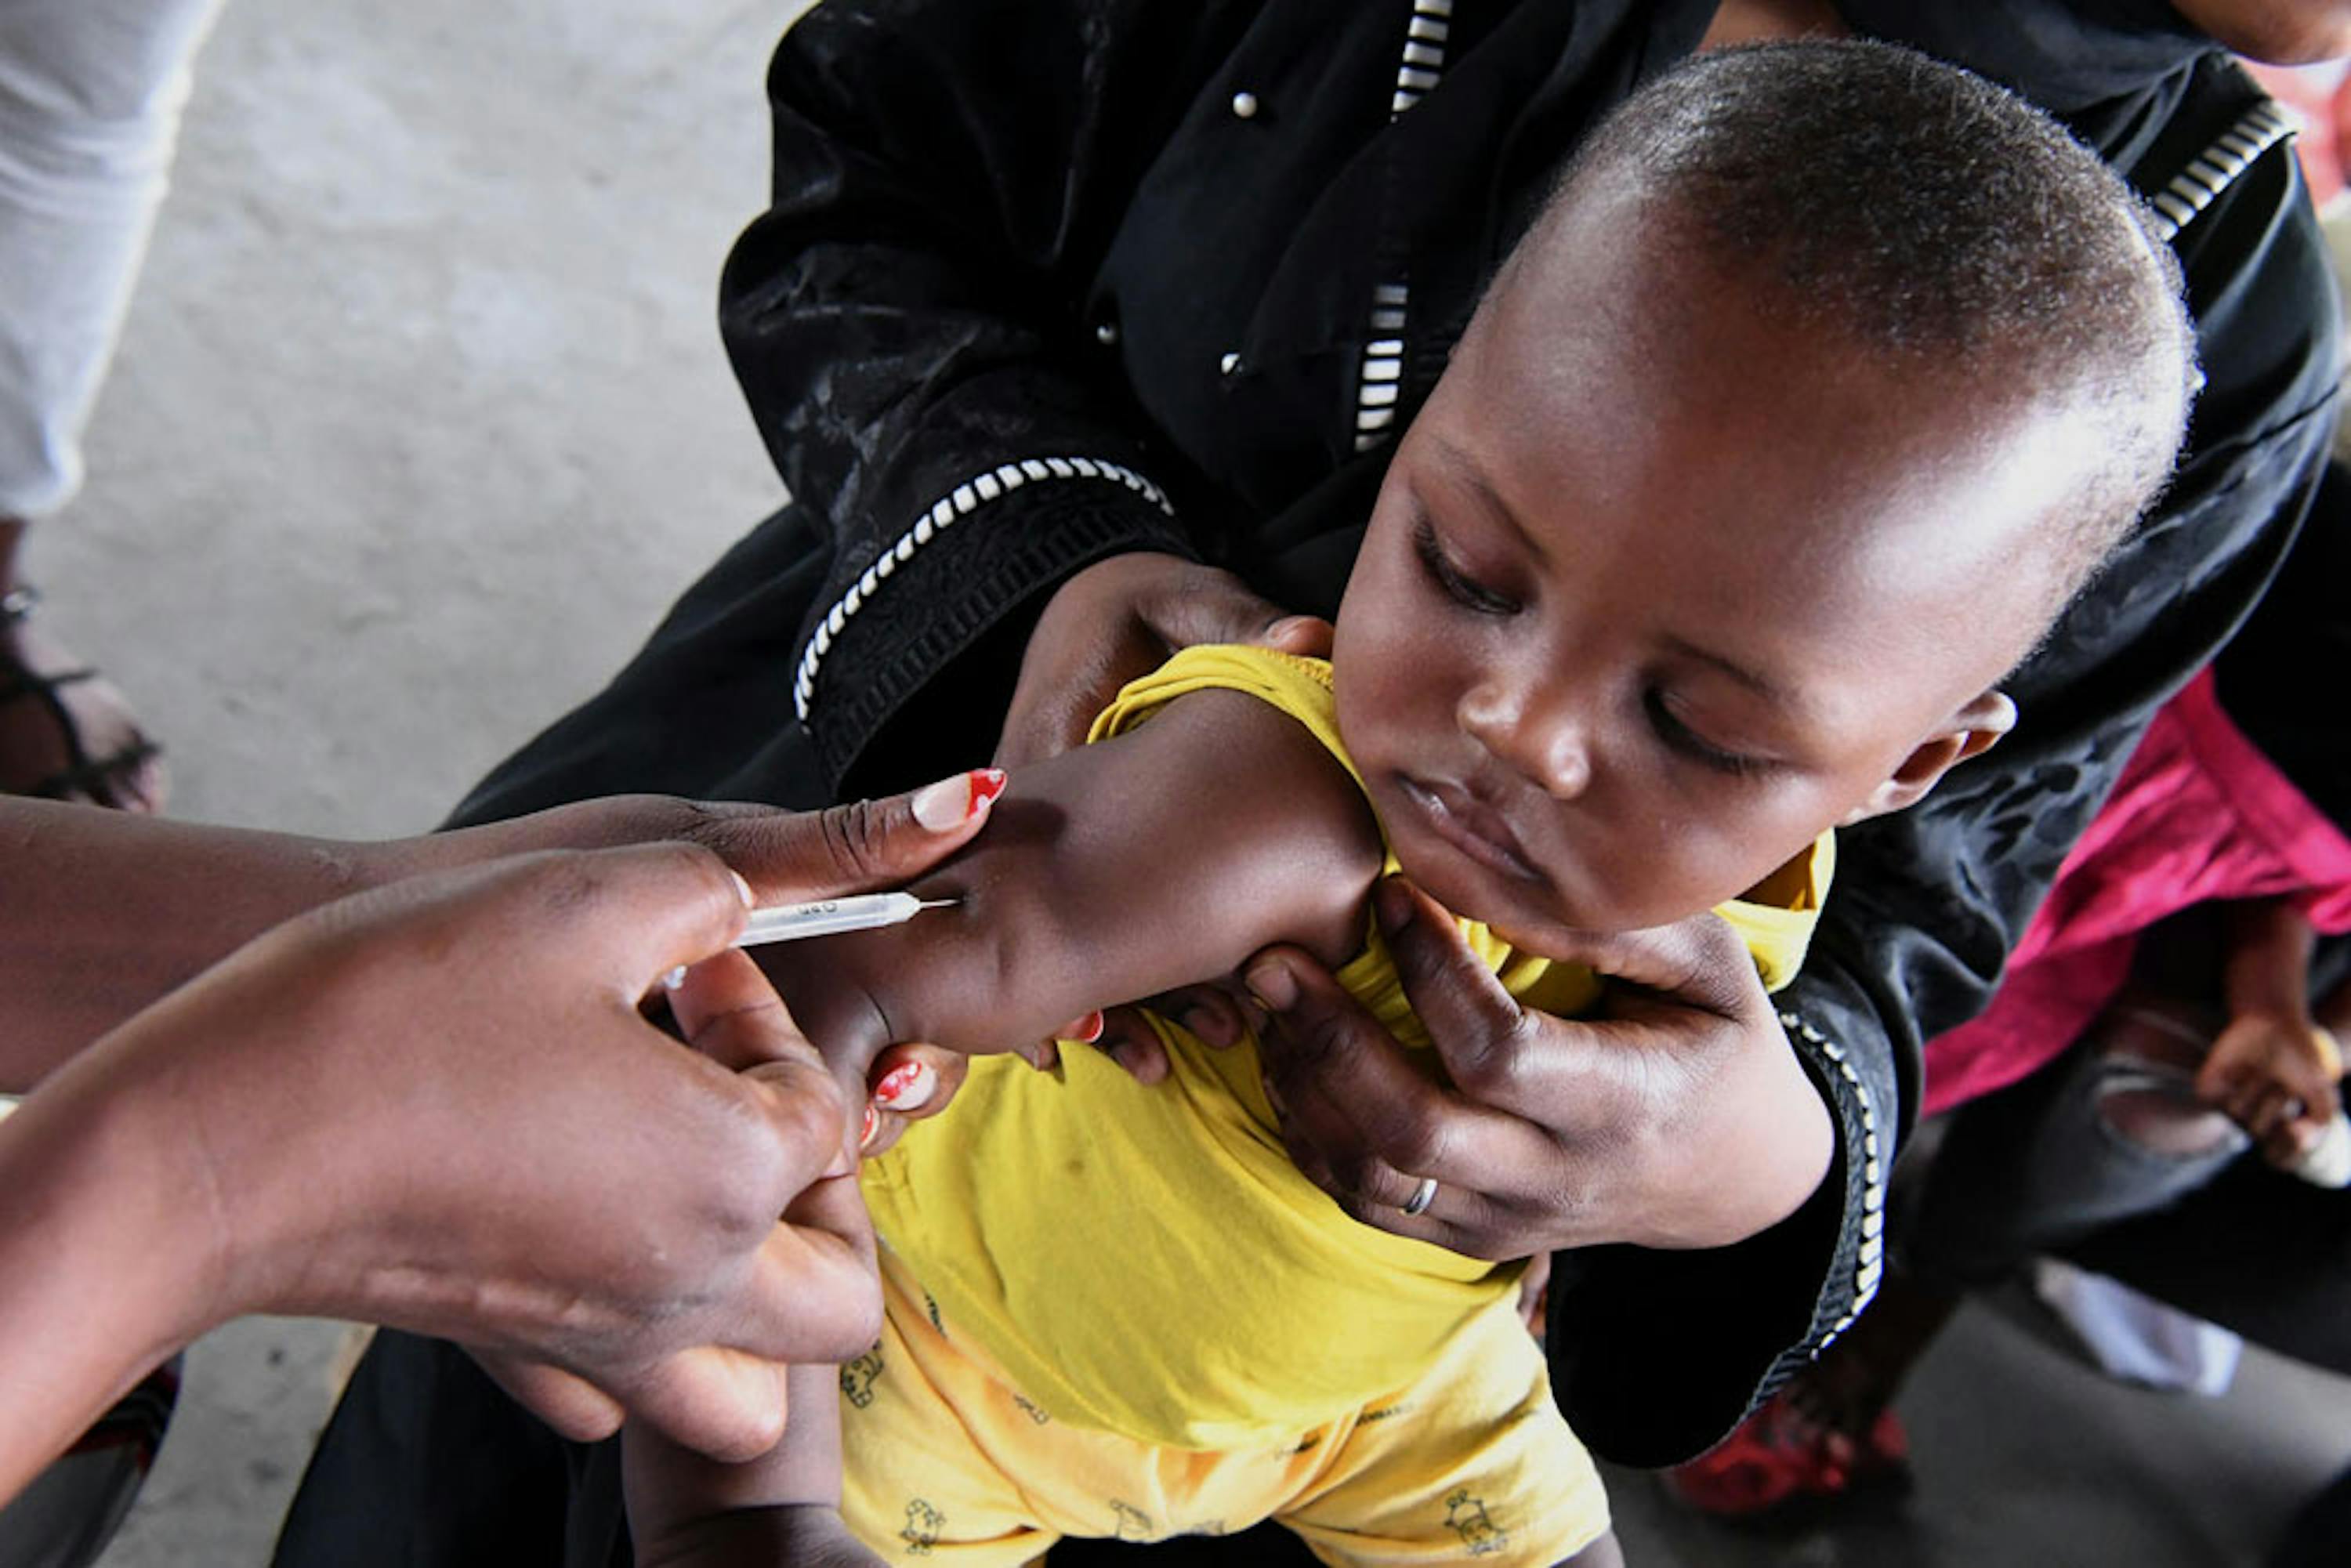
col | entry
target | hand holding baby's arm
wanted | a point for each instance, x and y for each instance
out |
(1674, 1115)
(1119, 619)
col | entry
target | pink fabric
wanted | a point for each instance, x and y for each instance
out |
(2321, 95)
(2198, 814)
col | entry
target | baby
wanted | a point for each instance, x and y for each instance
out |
(1825, 379)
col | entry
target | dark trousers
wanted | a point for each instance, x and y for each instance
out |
(2034, 1169)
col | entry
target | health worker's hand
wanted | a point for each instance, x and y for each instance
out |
(1675, 1115)
(438, 1105)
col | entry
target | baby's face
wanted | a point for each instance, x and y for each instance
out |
(1658, 587)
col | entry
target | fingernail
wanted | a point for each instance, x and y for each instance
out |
(945, 804)
(674, 978)
(1391, 902)
(952, 803)
(1285, 626)
(906, 1088)
(1088, 1029)
(865, 1138)
(743, 890)
(1272, 984)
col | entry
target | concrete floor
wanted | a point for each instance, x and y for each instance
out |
(420, 421)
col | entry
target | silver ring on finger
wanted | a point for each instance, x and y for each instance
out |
(1421, 1197)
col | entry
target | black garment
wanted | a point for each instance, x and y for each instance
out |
(2274, 681)
(1035, 270)
(2034, 1168)
(1099, 175)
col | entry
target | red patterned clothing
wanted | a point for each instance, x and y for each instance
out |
(2198, 814)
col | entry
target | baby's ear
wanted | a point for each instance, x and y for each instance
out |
(1970, 732)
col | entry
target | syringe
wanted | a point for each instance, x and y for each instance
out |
(829, 916)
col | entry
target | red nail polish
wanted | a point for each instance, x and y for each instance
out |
(895, 1082)
(1090, 1028)
(986, 784)
(872, 1121)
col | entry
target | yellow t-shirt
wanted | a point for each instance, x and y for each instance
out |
(1147, 1260)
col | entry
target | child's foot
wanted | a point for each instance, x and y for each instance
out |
(65, 733)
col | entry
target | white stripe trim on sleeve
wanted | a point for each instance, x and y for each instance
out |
(2194, 188)
(1870, 1262)
(958, 504)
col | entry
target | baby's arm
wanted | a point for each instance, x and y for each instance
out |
(1165, 857)
(2271, 1070)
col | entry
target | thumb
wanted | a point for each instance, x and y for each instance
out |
(1215, 606)
(626, 916)
(726, 1404)
(1308, 636)
(862, 845)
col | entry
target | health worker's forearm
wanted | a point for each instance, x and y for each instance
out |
(103, 912)
(102, 1271)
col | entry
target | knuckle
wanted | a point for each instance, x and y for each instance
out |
(687, 858)
(1351, 1174)
(806, 1115)
(1483, 1242)
(1319, 1036)
(763, 1149)
(1497, 1068)
(739, 1213)
(1414, 1136)
(717, 828)
(1421, 959)
(1417, 1143)
(566, 886)
(855, 837)
(862, 1316)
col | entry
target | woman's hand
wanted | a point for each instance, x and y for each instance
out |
(1676, 1115)
(1119, 619)
(437, 1105)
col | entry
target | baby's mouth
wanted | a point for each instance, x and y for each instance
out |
(1470, 826)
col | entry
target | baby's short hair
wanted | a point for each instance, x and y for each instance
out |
(1932, 219)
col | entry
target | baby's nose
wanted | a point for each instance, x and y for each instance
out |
(1540, 736)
